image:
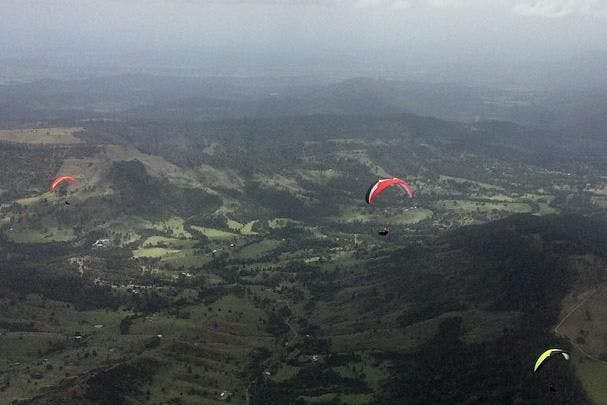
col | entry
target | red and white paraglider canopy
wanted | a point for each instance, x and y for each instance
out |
(382, 184)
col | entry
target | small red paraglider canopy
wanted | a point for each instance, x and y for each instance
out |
(60, 180)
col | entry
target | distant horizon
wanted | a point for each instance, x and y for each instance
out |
(379, 32)
(582, 69)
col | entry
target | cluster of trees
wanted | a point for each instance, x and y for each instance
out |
(118, 383)
(312, 380)
(57, 284)
(140, 194)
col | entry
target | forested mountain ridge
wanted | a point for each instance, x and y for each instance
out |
(572, 110)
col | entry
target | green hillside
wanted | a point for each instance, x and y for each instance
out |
(239, 257)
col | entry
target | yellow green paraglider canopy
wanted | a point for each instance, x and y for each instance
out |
(548, 353)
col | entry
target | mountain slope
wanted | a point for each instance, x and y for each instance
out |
(460, 320)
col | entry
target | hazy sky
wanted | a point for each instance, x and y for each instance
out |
(423, 30)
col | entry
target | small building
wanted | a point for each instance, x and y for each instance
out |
(100, 243)
(224, 396)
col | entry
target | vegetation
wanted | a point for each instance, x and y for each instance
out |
(238, 256)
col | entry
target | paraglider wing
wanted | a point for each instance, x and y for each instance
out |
(60, 180)
(407, 188)
(382, 184)
(547, 354)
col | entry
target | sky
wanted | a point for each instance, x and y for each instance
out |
(426, 31)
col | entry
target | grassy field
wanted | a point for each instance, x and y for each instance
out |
(41, 135)
(594, 379)
(443, 178)
(257, 249)
(128, 228)
(172, 243)
(277, 223)
(467, 206)
(244, 229)
(404, 216)
(247, 229)
(173, 226)
(155, 252)
(187, 258)
(213, 233)
(52, 234)
(234, 225)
